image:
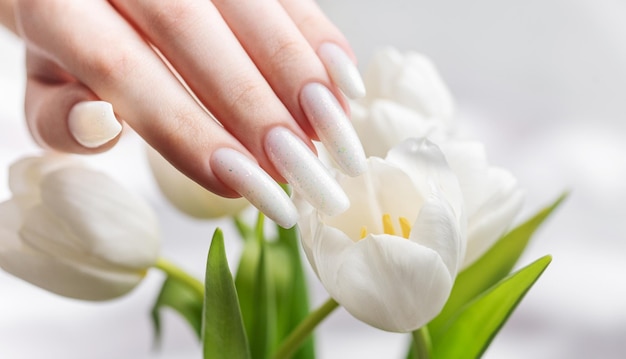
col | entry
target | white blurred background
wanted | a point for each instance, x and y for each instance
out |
(542, 83)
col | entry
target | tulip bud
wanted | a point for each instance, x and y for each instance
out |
(188, 196)
(74, 231)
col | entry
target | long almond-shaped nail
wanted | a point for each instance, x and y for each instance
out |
(333, 128)
(341, 70)
(304, 171)
(93, 123)
(250, 181)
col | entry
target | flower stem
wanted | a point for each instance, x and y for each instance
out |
(177, 273)
(304, 329)
(422, 343)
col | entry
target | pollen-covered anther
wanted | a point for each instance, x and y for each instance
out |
(388, 227)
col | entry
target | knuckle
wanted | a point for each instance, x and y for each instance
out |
(171, 15)
(245, 95)
(110, 65)
(287, 52)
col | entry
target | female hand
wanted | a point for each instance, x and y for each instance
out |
(227, 91)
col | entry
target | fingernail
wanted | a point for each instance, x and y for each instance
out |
(341, 70)
(93, 123)
(304, 171)
(333, 128)
(250, 181)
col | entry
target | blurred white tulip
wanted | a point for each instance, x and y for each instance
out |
(188, 196)
(74, 231)
(410, 80)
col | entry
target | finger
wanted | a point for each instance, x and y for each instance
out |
(130, 76)
(329, 43)
(198, 42)
(63, 114)
(296, 74)
(278, 49)
(149, 97)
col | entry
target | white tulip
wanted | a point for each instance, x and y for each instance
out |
(188, 196)
(74, 231)
(407, 99)
(392, 257)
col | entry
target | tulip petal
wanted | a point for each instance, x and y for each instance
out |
(468, 159)
(10, 217)
(67, 278)
(383, 280)
(410, 80)
(426, 165)
(491, 194)
(111, 222)
(26, 174)
(388, 123)
(437, 228)
(496, 214)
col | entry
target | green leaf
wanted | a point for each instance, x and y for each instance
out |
(181, 297)
(244, 230)
(223, 334)
(293, 304)
(255, 286)
(272, 290)
(494, 265)
(473, 329)
(245, 281)
(263, 338)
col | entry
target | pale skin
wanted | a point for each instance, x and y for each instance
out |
(245, 61)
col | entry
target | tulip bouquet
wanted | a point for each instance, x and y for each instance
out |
(427, 246)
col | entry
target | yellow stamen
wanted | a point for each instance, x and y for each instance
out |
(388, 228)
(387, 225)
(405, 225)
(363, 232)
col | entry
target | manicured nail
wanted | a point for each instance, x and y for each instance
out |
(93, 123)
(333, 128)
(250, 181)
(341, 70)
(304, 171)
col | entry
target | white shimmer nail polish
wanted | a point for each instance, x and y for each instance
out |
(341, 70)
(333, 128)
(93, 123)
(304, 171)
(248, 179)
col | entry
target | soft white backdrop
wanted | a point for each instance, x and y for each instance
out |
(542, 83)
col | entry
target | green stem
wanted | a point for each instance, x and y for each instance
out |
(176, 272)
(422, 343)
(304, 329)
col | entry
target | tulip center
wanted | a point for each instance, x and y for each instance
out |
(389, 228)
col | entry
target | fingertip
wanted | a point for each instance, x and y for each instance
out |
(68, 117)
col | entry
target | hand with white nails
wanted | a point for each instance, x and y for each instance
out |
(272, 75)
